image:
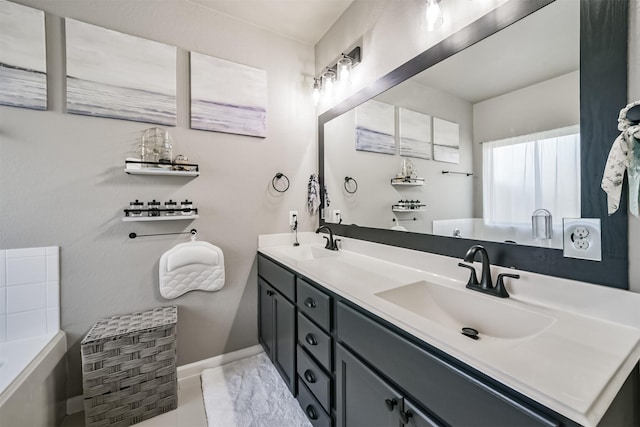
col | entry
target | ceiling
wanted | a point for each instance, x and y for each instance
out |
(303, 20)
(544, 45)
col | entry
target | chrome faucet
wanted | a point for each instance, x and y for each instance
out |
(486, 283)
(332, 244)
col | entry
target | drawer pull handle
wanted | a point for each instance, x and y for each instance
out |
(308, 375)
(311, 413)
(311, 340)
(391, 403)
(309, 302)
(404, 416)
(270, 293)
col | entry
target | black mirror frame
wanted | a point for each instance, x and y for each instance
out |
(603, 92)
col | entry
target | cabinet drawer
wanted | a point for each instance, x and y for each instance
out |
(441, 387)
(314, 303)
(315, 341)
(278, 277)
(311, 407)
(314, 378)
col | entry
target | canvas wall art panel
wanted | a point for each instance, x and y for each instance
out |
(415, 134)
(446, 132)
(228, 97)
(444, 153)
(115, 75)
(23, 69)
(375, 127)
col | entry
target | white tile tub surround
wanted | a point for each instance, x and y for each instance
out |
(29, 292)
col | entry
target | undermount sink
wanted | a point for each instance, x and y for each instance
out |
(459, 308)
(304, 252)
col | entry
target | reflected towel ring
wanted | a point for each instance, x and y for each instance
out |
(348, 179)
(277, 178)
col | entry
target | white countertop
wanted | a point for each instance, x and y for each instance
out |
(575, 366)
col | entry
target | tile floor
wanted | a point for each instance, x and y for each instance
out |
(190, 412)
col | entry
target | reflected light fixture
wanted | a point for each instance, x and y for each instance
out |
(433, 15)
(339, 73)
(328, 80)
(344, 66)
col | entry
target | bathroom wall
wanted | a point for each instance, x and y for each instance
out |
(383, 53)
(29, 292)
(62, 180)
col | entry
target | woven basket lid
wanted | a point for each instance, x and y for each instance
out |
(129, 323)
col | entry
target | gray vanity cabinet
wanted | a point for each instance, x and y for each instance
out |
(277, 320)
(364, 399)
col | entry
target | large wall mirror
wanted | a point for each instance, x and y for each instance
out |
(480, 137)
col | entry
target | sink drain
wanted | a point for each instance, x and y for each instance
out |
(470, 332)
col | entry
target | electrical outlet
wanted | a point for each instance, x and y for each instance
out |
(293, 215)
(582, 238)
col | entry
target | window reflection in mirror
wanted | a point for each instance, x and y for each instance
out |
(519, 86)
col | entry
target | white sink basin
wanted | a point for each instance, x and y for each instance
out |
(458, 308)
(304, 252)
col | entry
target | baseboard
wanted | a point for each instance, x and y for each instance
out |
(196, 368)
(75, 404)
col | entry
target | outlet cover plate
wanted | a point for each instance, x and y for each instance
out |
(582, 238)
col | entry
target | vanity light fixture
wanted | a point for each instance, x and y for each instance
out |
(433, 18)
(339, 73)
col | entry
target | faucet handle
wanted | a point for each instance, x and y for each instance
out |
(473, 279)
(501, 291)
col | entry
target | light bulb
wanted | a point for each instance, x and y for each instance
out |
(328, 79)
(433, 15)
(344, 70)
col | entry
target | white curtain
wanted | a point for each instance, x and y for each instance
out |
(529, 172)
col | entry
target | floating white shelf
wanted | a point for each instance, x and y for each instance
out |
(410, 182)
(159, 218)
(160, 171)
(408, 210)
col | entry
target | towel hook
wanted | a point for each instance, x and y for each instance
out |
(193, 232)
(348, 179)
(277, 178)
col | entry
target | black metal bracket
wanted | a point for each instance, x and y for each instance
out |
(277, 178)
(193, 232)
(172, 164)
(410, 219)
(458, 173)
(348, 179)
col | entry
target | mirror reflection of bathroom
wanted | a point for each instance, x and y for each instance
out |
(493, 132)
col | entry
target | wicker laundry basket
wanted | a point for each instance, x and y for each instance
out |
(129, 367)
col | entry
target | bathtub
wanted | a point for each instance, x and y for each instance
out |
(33, 381)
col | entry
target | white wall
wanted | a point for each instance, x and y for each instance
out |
(62, 180)
(445, 196)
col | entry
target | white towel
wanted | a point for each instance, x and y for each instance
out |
(623, 157)
(313, 197)
(191, 266)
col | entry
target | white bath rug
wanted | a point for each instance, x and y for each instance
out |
(249, 393)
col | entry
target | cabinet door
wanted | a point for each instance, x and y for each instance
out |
(411, 416)
(284, 352)
(362, 398)
(265, 316)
